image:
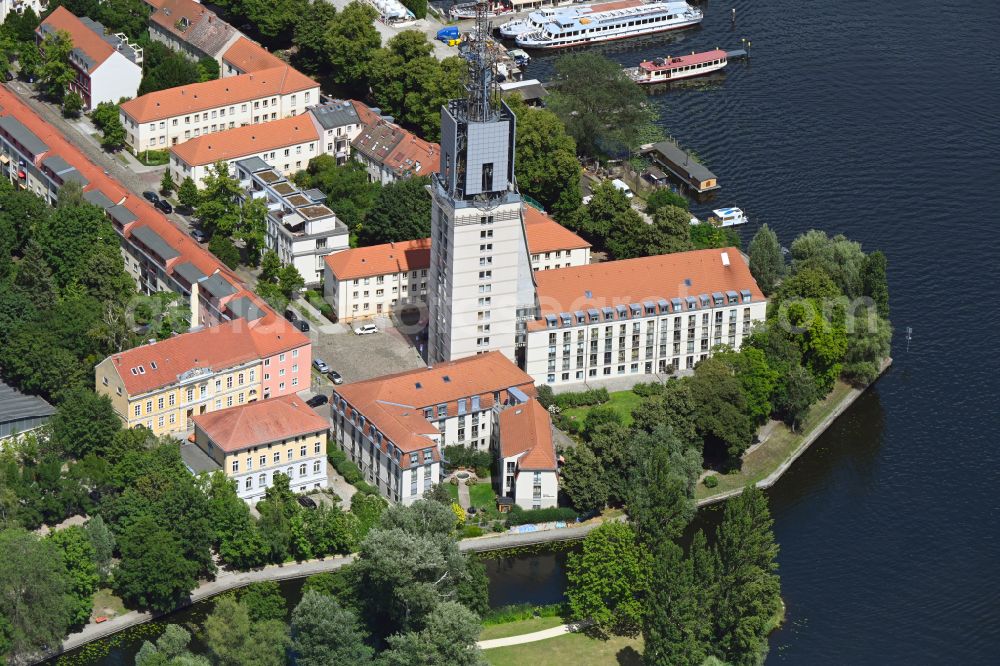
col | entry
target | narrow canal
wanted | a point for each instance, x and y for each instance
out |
(878, 120)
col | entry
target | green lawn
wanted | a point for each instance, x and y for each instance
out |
(622, 401)
(573, 649)
(453, 491)
(520, 627)
(778, 447)
(482, 495)
(106, 603)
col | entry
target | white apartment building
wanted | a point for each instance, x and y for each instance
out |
(550, 244)
(641, 316)
(395, 428)
(527, 468)
(18, 6)
(376, 280)
(301, 229)
(286, 144)
(339, 123)
(253, 442)
(379, 279)
(107, 67)
(166, 118)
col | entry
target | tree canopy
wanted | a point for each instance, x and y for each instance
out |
(604, 111)
(402, 211)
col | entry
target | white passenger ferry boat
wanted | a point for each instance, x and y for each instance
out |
(589, 24)
(664, 70)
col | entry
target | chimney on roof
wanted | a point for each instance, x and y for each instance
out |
(195, 307)
(725, 259)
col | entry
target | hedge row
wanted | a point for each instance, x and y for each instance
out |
(583, 398)
(519, 516)
(349, 471)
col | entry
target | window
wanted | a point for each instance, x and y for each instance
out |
(159, 403)
(170, 399)
(262, 479)
(302, 469)
(316, 447)
(277, 457)
(316, 467)
(248, 484)
(236, 466)
(263, 461)
(302, 451)
(229, 401)
(288, 454)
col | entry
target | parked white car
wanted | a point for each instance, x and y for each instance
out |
(366, 329)
(623, 187)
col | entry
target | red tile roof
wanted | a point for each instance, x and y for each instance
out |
(664, 276)
(380, 259)
(413, 155)
(260, 423)
(526, 431)
(83, 37)
(546, 235)
(399, 150)
(365, 113)
(247, 140)
(249, 56)
(269, 335)
(395, 403)
(204, 30)
(196, 97)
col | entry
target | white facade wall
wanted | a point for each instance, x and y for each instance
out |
(396, 482)
(289, 160)
(645, 345)
(337, 140)
(544, 261)
(163, 133)
(361, 298)
(536, 490)
(117, 77)
(475, 279)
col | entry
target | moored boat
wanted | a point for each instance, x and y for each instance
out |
(590, 24)
(467, 10)
(727, 217)
(664, 70)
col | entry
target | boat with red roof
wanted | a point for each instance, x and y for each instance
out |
(675, 68)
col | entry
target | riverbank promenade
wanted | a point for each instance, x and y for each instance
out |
(763, 465)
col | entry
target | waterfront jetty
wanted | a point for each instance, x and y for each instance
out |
(671, 157)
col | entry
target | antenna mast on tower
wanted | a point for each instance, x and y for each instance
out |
(480, 86)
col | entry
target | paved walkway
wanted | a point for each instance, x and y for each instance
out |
(464, 498)
(227, 580)
(528, 638)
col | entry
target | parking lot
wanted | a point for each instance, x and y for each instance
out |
(358, 357)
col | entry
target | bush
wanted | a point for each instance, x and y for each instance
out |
(545, 396)
(469, 531)
(583, 398)
(519, 516)
(711, 481)
(468, 457)
(567, 425)
(349, 471)
(648, 390)
(518, 612)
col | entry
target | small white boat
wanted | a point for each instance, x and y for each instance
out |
(728, 217)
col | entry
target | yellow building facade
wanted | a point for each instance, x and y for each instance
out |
(170, 409)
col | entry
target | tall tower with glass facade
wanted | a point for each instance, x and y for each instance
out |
(481, 287)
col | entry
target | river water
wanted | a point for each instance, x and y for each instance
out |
(880, 120)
